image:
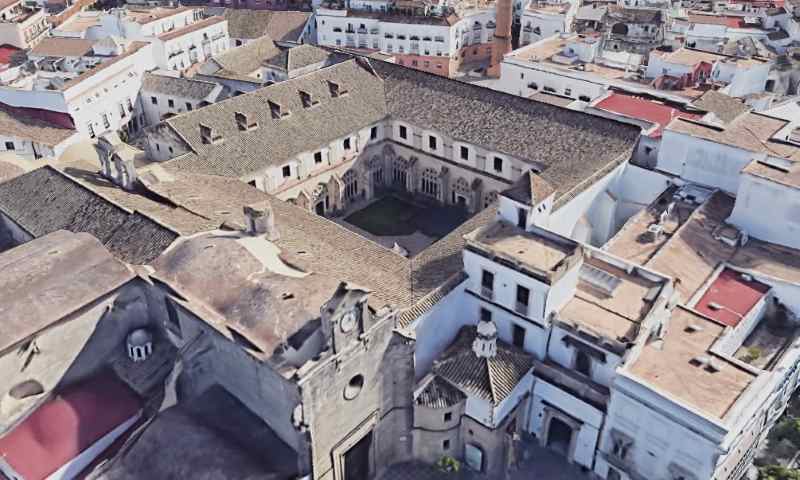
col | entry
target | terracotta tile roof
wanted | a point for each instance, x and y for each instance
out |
(439, 393)
(62, 47)
(724, 107)
(248, 58)
(177, 86)
(300, 57)
(281, 26)
(644, 109)
(492, 379)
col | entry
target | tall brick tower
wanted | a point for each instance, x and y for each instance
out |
(502, 36)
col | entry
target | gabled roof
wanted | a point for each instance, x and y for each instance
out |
(491, 379)
(299, 57)
(724, 107)
(62, 47)
(248, 58)
(529, 189)
(177, 86)
(45, 200)
(282, 26)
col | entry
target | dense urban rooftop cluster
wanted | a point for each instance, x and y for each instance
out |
(381, 239)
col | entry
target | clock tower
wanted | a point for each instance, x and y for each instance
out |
(345, 316)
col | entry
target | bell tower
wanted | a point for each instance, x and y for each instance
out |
(502, 35)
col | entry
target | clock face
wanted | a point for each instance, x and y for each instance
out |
(348, 322)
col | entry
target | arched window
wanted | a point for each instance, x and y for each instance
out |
(399, 172)
(460, 191)
(350, 184)
(376, 170)
(430, 182)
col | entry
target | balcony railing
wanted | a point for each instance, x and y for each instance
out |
(487, 292)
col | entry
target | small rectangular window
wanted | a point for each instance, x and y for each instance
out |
(403, 132)
(448, 416)
(106, 122)
(188, 107)
(486, 315)
(522, 218)
(518, 336)
(154, 100)
(432, 142)
(464, 153)
(523, 295)
(373, 133)
(498, 164)
(487, 280)
(318, 157)
(346, 143)
(446, 445)
(171, 103)
(9, 145)
(287, 171)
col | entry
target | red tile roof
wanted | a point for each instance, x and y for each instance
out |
(732, 296)
(643, 109)
(726, 20)
(66, 425)
(6, 52)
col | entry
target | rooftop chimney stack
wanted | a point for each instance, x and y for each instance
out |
(261, 220)
(502, 36)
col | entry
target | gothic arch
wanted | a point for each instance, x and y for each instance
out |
(350, 180)
(431, 184)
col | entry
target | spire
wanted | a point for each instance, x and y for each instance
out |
(485, 343)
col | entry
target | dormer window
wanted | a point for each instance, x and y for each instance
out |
(276, 111)
(306, 99)
(335, 89)
(245, 122)
(208, 135)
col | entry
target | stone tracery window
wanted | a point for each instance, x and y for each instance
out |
(399, 172)
(430, 183)
(350, 184)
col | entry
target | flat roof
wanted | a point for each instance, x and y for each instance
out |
(643, 109)
(68, 424)
(541, 253)
(676, 366)
(691, 251)
(751, 131)
(50, 277)
(730, 297)
(144, 16)
(787, 174)
(614, 314)
(690, 57)
(200, 24)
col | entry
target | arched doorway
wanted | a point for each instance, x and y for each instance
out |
(559, 436)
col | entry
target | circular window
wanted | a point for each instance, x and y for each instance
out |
(354, 387)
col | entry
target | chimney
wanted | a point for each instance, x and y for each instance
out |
(261, 220)
(485, 343)
(502, 36)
